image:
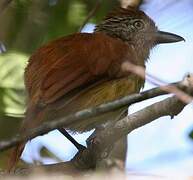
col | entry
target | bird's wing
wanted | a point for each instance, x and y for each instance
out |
(70, 62)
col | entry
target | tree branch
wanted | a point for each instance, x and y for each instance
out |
(90, 15)
(96, 154)
(87, 113)
(99, 152)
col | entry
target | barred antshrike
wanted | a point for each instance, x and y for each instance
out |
(83, 70)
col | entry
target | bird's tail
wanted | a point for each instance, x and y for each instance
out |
(14, 157)
(31, 120)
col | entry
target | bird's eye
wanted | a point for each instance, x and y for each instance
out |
(138, 25)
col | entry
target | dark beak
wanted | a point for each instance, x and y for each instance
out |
(166, 37)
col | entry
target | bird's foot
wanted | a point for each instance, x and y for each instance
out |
(92, 139)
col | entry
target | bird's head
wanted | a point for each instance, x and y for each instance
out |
(135, 27)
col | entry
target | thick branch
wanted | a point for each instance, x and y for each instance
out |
(113, 132)
(95, 154)
(87, 113)
(99, 152)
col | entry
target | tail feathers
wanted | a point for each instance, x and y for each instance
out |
(14, 157)
(33, 117)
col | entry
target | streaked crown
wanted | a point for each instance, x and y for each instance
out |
(128, 24)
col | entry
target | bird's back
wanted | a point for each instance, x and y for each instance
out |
(77, 72)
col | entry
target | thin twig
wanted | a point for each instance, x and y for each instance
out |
(91, 14)
(140, 71)
(84, 114)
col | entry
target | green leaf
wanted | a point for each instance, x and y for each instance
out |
(12, 96)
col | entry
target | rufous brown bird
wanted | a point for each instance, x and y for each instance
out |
(83, 70)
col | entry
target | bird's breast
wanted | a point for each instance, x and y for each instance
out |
(103, 93)
(93, 96)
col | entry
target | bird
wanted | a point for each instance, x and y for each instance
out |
(84, 70)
